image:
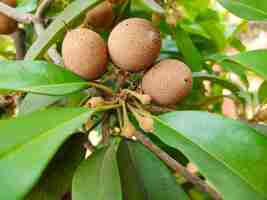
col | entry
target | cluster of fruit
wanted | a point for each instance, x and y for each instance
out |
(133, 45)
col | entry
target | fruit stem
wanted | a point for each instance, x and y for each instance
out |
(140, 109)
(119, 117)
(101, 87)
(143, 98)
(145, 122)
(128, 129)
(124, 113)
(106, 108)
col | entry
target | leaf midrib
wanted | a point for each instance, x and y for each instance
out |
(211, 155)
(48, 85)
(246, 6)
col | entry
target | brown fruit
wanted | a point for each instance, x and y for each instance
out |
(85, 53)
(101, 17)
(7, 25)
(167, 82)
(134, 44)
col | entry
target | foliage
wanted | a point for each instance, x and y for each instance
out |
(46, 128)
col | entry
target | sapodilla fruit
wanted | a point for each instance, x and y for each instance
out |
(134, 44)
(101, 17)
(85, 53)
(167, 82)
(7, 25)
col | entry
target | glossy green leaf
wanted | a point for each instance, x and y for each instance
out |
(261, 128)
(247, 9)
(236, 69)
(144, 176)
(28, 144)
(26, 5)
(39, 77)
(255, 61)
(210, 21)
(98, 177)
(228, 153)
(262, 92)
(190, 53)
(58, 27)
(147, 6)
(215, 79)
(57, 178)
(194, 28)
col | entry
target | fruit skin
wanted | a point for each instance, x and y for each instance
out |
(168, 82)
(101, 17)
(7, 25)
(85, 53)
(134, 44)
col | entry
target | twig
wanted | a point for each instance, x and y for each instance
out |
(27, 18)
(19, 16)
(52, 52)
(105, 128)
(40, 10)
(177, 167)
(19, 40)
(158, 109)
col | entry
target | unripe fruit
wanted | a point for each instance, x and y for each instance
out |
(134, 44)
(167, 82)
(7, 25)
(85, 53)
(101, 17)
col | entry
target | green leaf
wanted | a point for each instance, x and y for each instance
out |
(57, 178)
(211, 23)
(191, 54)
(26, 5)
(228, 153)
(39, 77)
(262, 92)
(35, 102)
(216, 33)
(247, 9)
(28, 144)
(255, 61)
(261, 128)
(215, 79)
(56, 30)
(235, 68)
(147, 6)
(98, 177)
(144, 176)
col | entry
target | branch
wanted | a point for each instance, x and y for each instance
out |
(40, 10)
(19, 16)
(19, 40)
(176, 166)
(52, 52)
(39, 28)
